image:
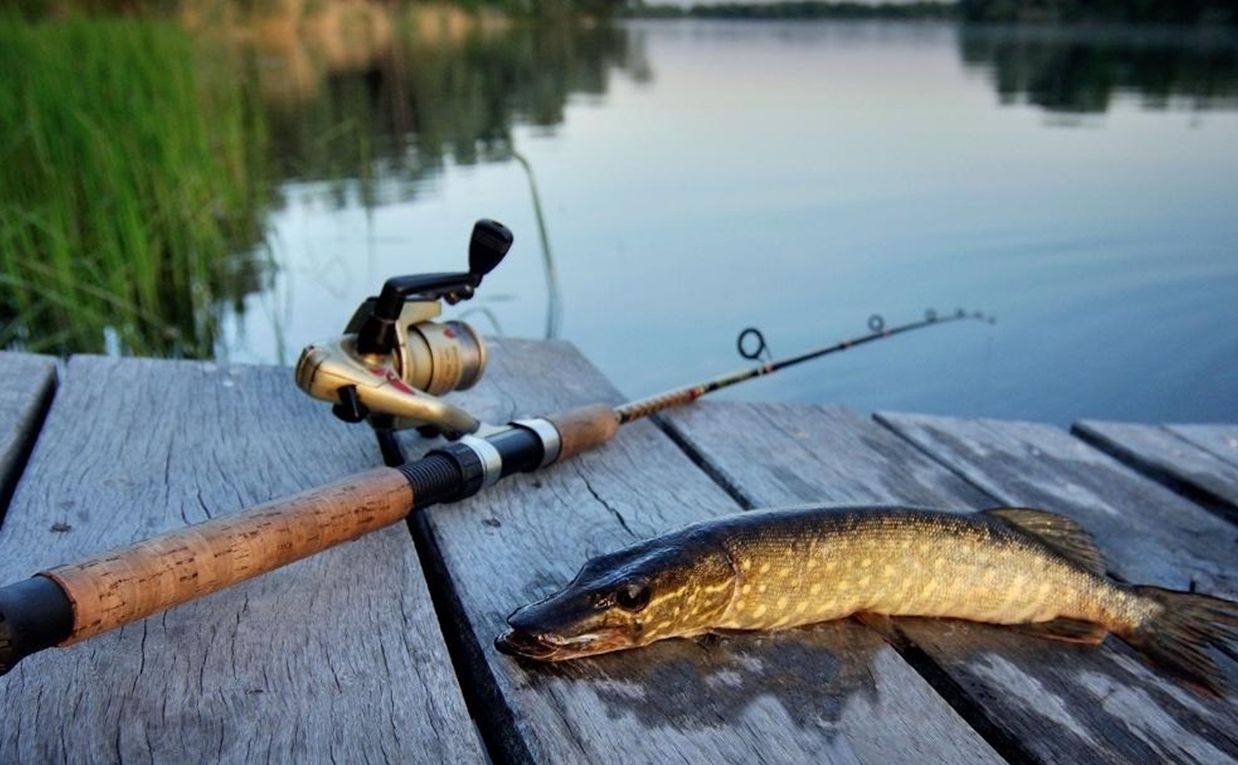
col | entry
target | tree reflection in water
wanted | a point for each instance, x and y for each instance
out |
(1080, 70)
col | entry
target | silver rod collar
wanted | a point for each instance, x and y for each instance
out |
(491, 460)
(545, 430)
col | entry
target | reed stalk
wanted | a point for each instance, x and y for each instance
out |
(130, 172)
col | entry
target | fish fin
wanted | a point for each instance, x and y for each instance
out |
(1061, 534)
(883, 625)
(1065, 630)
(1176, 639)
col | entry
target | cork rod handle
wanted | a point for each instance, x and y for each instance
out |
(584, 428)
(132, 582)
(73, 602)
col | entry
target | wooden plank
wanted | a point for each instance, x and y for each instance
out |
(1219, 440)
(1035, 700)
(337, 657)
(1170, 459)
(28, 384)
(1148, 533)
(834, 694)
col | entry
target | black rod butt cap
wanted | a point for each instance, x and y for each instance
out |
(34, 614)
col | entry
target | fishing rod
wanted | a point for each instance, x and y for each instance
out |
(634, 410)
(388, 369)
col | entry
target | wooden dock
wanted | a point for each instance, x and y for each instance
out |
(381, 650)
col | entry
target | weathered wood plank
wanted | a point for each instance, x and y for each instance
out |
(1149, 535)
(1170, 459)
(1220, 440)
(834, 694)
(1037, 700)
(337, 657)
(28, 384)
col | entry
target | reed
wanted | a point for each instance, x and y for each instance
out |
(130, 173)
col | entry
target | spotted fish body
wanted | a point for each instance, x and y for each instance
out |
(802, 566)
(777, 569)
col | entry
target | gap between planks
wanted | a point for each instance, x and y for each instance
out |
(1197, 537)
(972, 713)
(1162, 454)
(516, 708)
(23, 409)
(847, 461)
(283, 674)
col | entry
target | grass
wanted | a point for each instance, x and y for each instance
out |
(130, 172)
(139, 158)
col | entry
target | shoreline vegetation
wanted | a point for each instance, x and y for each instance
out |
(144, 236)
(119, 233)
(796, 9)
(316, 15)
(1210, 12)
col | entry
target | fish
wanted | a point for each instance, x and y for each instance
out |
(1029, 569)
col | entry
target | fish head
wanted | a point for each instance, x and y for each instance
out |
(673, 586)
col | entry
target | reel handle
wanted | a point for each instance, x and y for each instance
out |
(488, 244)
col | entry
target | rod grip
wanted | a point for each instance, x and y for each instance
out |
(584, 428)
(130, 583)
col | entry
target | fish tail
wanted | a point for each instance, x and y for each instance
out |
(1177, 637)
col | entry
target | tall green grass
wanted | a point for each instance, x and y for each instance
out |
(131, 170)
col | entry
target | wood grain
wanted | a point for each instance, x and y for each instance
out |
(1148, 534)
(28, 385)
(1036, 700)
(1161, 454)
(335, 657)
(832, 694)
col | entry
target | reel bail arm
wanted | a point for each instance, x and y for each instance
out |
(394, 361)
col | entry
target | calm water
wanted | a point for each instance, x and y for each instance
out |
(700, 177)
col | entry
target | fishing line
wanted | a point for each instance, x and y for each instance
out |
(634, 410)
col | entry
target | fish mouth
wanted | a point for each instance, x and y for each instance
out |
(548, 646)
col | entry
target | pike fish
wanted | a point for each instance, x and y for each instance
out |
(773, 569)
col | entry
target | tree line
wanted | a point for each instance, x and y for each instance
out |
(1126, 11)
(1066, 11)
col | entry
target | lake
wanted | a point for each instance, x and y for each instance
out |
(700, 177)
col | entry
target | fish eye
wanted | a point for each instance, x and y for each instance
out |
(632, 596)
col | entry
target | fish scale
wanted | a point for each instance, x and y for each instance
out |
(882, 563)
(774, 569)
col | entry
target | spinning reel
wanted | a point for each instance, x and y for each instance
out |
(394, 361)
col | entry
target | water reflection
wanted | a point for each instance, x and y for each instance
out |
(390, 112)
(371, 109)
(748, 137)
(1081, 69)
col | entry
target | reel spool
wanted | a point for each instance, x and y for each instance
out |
(394, 361)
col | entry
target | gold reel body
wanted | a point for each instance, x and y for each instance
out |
(430, 356)
(394, 360)
(428, 360)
